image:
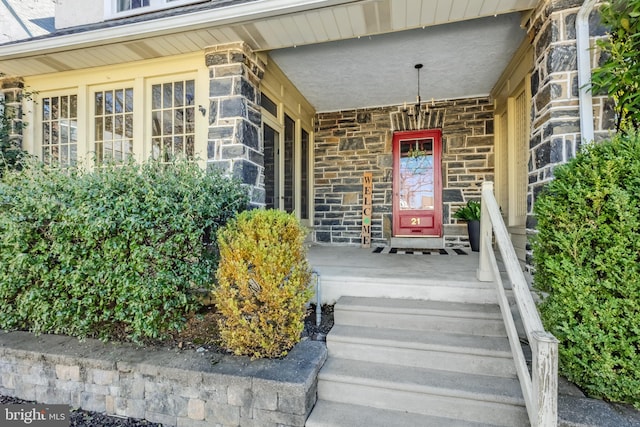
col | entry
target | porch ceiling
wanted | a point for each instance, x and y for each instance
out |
(462, 59)
(340, 53)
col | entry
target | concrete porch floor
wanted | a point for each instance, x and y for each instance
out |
(355, 271)
(363, 262)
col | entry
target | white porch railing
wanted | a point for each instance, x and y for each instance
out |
(540, 388)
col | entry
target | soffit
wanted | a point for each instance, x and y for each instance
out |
(270, 28)
(323, 34)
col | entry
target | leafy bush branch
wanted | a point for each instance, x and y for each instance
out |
(113, 253)
(619, 74)
(587, 258)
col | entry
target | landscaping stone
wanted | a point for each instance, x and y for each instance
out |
(162, 385)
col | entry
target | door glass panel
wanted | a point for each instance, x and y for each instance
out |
(416, 174)
(271, 140)
(289, 163)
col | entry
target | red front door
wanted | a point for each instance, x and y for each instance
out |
(417, 183)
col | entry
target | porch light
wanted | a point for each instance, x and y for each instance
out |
(415, 113)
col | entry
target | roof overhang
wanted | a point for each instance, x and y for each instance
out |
(323, 27)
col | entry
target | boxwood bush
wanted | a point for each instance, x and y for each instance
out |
(587, 258)
(263, 283)
(112, 253)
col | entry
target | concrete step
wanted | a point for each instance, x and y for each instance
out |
(466, 397)
(435, 350)
(336, 285)
(417, 243)
(443, 316)
(333, 414)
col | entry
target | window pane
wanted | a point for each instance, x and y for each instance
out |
(46, 133)
(119, 101)
(108, 102)
(190, 91)
(55, 133)
(177, 145)
(178, 122)
(73, 111)
(156, 123)
(64, 107)
(155, 148)
(167, 95)
(189, 120)
(167, 123)
(99, 135)
(289, 163)
(64, 154)
(55, 108)
(271, 141)
(304, 175)
(269, 105)
(131, 4)
(64, 131)
(156, 97)
(129, 100)
(99, 104)
(46, 109)
(129, 126)
(172, 120)
(113, 136)
(117, 127)
(178, 94)
(190, 147)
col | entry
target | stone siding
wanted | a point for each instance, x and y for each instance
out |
(184, 389)
(349, 143)
(555, 128)
(235, 138)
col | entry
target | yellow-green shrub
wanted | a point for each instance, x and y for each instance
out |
(263, 278)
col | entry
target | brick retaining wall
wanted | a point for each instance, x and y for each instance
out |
(349, 143)
(175, 388)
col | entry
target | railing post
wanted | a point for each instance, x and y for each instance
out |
(544, 379)
(484, 273)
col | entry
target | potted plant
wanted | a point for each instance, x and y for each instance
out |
(471, 213)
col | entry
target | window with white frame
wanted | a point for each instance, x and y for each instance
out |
(60, 130)
(173, 120)
(113, 125)
(122, 8)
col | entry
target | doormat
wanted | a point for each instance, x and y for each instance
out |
(407, 251)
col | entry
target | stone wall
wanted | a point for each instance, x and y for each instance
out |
(235, 140)
(349, 143)
(186, 389)
(555, 129)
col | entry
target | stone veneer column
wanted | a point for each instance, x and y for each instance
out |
(235, 140)
(555, 128)
(11, 90)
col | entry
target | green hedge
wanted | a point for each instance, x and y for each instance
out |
(587, 258)
(113, 253)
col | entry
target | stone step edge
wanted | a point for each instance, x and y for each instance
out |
(444, 311)
(377, 280)
(347, 415)
(427, 389)
(338, 335)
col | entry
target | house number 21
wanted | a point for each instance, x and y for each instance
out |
(415, 221)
